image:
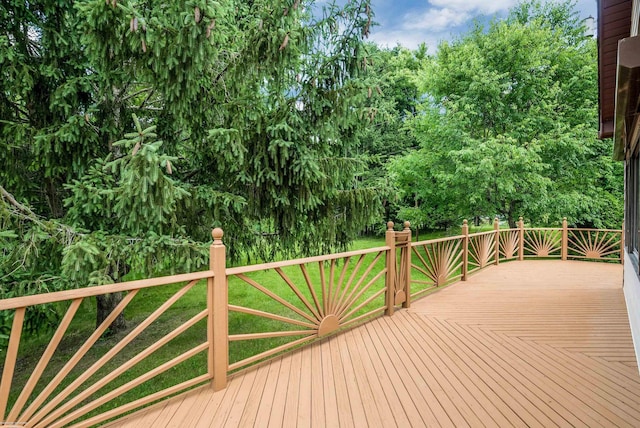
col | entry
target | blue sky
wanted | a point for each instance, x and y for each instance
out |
(411, 22)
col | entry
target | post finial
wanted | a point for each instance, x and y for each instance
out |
(217, 234)
(465, 222)
(390, 225)
(407, 225)
(520, 218)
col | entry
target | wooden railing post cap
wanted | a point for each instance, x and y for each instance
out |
(465, 222)
(390, 225)
(407, 225)
(217, 234)
(496, 221)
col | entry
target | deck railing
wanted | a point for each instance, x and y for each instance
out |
(300, 300)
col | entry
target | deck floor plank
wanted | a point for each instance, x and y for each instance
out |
(492, 388)
(393, 396)
(271, 383)
(303, 419)
(390, 371)
(290, 415)
(534, 343)
(250, 410)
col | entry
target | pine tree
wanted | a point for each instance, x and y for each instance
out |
(235, 114)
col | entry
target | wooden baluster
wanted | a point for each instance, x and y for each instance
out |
(218, 304)
(390, 239)
(564, 249)
(465, 249)
(407, 266)
(496, 240)
(521, 239)
(10, 359)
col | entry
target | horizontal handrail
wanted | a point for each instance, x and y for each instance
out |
(488, 232)
(301, 261)
(437, 240)
(595, 230)
(99, 290)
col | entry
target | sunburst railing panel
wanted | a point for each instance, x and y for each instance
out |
(481, 250)
(103, 374)
(435, 263)
(602, 244)
(292, 303)
(509, 242)
(542, 243)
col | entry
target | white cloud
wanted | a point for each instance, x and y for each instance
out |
(477, 6)
(411, 22)
(410, 40)
(436, 20)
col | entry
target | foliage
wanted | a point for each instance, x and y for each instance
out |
(392, 101)
(508, 127)
(234, 114)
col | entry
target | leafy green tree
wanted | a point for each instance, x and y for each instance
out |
(234, 114)
(508, 126)
(392, 102)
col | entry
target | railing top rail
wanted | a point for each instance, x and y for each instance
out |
(435, 241)
(60, 296)
(488, 232)
(295, 262)
(543, 228)
(584, 229)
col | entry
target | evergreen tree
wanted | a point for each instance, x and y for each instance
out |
(234, 114)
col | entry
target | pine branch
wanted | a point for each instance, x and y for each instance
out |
(135, 94)
(25, 213)
(22, 208)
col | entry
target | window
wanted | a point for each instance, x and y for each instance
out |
(632, 213)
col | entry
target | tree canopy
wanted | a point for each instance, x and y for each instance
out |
(508, 126)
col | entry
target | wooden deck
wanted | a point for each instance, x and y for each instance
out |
(533, 343)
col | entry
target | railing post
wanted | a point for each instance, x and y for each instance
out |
(218, 305)
(465, 248)
(406, 255)
(496, 227)
(564, 249)
(390, 240)
(520, 239)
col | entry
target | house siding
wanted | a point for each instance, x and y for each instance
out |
(632, 298)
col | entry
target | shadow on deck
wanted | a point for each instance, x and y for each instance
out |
(536, 343)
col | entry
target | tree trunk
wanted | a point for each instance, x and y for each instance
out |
(511, 220)
(511, 215)
(105, 305)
